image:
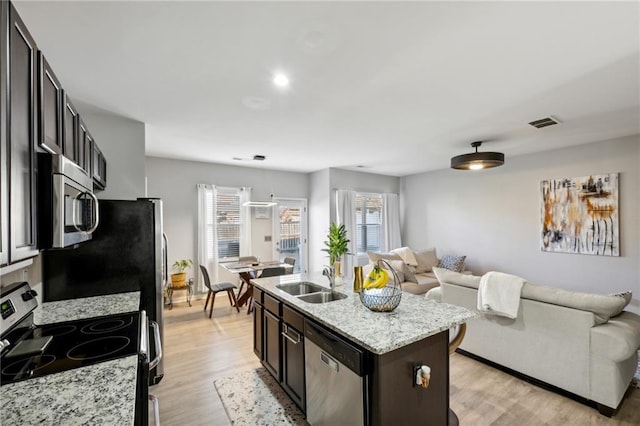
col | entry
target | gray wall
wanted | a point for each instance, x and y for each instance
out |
(122, 141)
(319, 217)
(493, 217)
(175, 182)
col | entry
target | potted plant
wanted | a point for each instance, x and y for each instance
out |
(178, 279)
(336, 245)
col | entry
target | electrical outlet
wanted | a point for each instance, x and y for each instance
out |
(25, 275)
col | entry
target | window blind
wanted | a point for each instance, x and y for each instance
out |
(368, 220)
(228, 222)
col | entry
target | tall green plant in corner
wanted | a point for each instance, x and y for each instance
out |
(336, 243)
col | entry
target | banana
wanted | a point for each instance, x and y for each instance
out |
(377, 278)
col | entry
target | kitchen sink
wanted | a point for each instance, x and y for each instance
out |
(323, 297)
(304, 287)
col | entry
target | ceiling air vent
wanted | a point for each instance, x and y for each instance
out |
(544, 122)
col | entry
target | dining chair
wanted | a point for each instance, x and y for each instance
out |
(215, 289)
(289, 261)
(267, 272)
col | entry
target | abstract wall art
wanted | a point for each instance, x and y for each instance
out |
(580, 215)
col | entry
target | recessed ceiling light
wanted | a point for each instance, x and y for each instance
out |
(281, 80)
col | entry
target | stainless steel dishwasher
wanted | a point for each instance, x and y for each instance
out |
(336, 384)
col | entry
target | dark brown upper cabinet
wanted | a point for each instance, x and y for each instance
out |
(20, 127)
(84, 145)
(51, 103)
(98, 167)
(70, 130)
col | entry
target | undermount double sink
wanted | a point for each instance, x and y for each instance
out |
(310, 292)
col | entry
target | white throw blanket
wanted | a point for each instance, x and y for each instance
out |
(499, 294)
(407, 256)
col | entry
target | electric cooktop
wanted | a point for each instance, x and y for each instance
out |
(47, 349)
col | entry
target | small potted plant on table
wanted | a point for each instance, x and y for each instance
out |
(178, 279)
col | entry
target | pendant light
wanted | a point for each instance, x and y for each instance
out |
(477, 160)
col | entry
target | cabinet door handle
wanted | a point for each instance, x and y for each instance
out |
(293, 340)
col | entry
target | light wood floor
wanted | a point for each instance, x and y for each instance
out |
(199, 350)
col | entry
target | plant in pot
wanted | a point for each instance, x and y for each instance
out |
(178, 279)
(336, 243)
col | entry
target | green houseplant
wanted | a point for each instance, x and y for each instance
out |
(336, 243)
(178, 279)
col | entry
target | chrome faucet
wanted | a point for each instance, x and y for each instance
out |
(330, 273)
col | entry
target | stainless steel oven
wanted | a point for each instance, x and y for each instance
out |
(68, 211)
(30, 351)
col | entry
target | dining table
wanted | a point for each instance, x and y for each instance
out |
(247, 271)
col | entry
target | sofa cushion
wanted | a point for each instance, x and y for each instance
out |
(451, 277)
(601, 305)
(374, 256)
(426, 259)
(618, 339)
(415, 288)
(454, 263)
(426, 279)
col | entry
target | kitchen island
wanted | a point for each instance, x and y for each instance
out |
(103, 393)
(393, 344)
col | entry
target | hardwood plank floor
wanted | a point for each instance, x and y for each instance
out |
(199, 350)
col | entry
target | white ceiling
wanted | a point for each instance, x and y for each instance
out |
(397, 87)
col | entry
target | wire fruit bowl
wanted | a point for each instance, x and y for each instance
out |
(384, 299)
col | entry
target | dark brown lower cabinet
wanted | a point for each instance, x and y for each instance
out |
(293, 364)
(258, 315)
(271, 331)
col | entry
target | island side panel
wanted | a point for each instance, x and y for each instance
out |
(393, 398)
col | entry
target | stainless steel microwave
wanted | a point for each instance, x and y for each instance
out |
(68, 210)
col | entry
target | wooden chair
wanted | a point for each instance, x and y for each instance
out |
(214, 289)
(289, 261)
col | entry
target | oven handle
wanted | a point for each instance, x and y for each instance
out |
(156, 409)
(144, 335)
(156, 335)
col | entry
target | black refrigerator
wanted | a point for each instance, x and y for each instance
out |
(128, 252)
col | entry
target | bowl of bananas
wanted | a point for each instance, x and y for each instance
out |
(381, 289)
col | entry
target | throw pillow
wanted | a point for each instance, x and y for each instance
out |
(398, 268)
(406, 255)
(426, 259)
(409, 273)
(453, 263)
(374, 257)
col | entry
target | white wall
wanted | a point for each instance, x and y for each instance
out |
(493, 217)
(122, 141)
(175, 182)
(319, 217)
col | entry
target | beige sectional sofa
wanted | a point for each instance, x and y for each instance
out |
(582, 343)
(417, 279)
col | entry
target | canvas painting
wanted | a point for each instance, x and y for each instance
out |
(580, 215)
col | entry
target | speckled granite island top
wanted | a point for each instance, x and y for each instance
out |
(87, 307)
(380, 332)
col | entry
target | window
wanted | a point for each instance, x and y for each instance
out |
(228, 222)
(368, 218)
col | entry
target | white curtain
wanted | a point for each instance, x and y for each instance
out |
(390, 223)
(346, 214)
(245, 218)
(207, 238)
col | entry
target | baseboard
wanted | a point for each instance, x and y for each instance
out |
(544, 385)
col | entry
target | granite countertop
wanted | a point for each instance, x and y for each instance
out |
(87, 307)
(380, 332)
(103, 393)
